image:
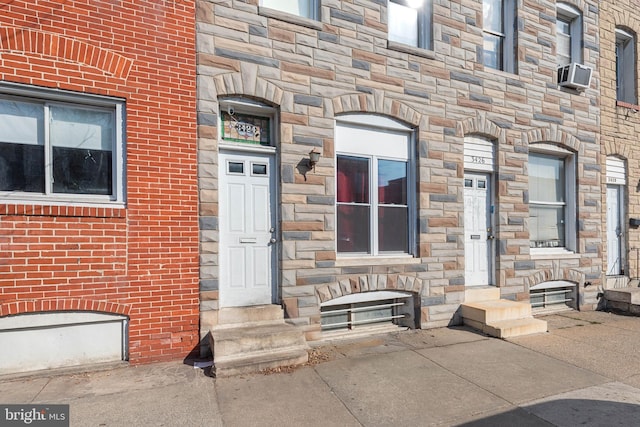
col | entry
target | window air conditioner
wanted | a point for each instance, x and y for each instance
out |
(574, 75)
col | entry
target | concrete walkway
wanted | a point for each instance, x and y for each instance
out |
(584, 372)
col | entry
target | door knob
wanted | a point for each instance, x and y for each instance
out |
(273, 240)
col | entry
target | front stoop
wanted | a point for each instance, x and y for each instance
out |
(626, 300)
(499, 318)
(250, 339)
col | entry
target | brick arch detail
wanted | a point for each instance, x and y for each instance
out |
(627, 20)
(617, 149)
(481, 126)
(375, 104)
(62, 304)
(27, 40)
(248, 84)
(552, 135)
(367, 283)
(553, 274)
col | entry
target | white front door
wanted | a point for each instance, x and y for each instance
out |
(614, 230)
(478, 233)
(247, 229)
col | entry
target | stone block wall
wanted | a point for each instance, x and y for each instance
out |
(313, 71)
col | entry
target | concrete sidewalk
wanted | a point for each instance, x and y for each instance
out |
(583, 372)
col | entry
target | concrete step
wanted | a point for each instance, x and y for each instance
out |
(624, 295)
(243, 316)
(515, 327)
(258, 361)
(481, 293)
(228, 342)
(488, 312)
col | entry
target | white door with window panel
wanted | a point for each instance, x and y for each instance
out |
(478, 233)
(247, 229)
(614, 230)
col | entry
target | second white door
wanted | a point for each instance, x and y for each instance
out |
(478, 232)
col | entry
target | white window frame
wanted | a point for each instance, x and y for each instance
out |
(53, 97)
(508, 37)
(570, 213)
(314, 8)
(249, 107)
(573, 17)
(424, 23)
(346, 146)
(626, 86)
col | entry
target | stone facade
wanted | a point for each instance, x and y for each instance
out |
(620, 121)
(315, 71)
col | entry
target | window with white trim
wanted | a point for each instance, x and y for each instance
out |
(499, 33)
(410, 22)
(60, 146)
(552, 213)
(625, 66)
(374, 186)
(568, 34)
(302, 8)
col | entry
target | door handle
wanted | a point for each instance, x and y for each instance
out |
(273, 240)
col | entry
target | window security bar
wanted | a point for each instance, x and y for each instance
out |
(367, 308)
(363, 322)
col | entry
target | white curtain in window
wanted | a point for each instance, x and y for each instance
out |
(546, 179)
(81, 128)
(21, 122)
(295, 7)
(403, 24)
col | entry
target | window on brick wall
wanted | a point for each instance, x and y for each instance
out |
(552, 213)
(410, 22)
(626, 66)
(302, 8)
(499, 34)
(59, 146)
(374, 186)
(568, 34)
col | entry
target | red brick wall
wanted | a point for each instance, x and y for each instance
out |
(141, 260)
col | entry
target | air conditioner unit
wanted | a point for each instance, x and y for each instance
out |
(575, 75)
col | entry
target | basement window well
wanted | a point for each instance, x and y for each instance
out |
(368, 310)
(553, 296)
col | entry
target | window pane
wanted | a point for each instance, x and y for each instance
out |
(82, 144)
(546, 226)
(21, 167)
(299, 7)
(21, 122)
(403, 24)
(492, 16)
(392, 182)
(393, 229)
(81, 171)
(353, 229)
(353, 180)
(546, 179)
(493, 51)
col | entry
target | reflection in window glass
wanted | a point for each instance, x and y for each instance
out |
(259, 169)
(302, 8)
(236, 167)
(353, 180)
(403, 23)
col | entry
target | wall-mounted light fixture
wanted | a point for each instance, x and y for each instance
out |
(314, 157)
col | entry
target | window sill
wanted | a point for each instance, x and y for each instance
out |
(628, 105)
(63, 208)
(412, 50)
(560, 253)
(376, 260)
(287, 17)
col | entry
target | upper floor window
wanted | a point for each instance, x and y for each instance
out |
(499, 31)
(568, 34)
(302, 8)
(375, 206)
(60, 146)
(410, 22)
(551, 198)
(625, 66)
